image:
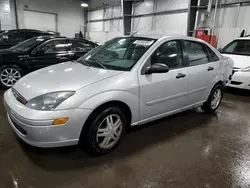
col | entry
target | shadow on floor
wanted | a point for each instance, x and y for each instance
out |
(241, 92)
(139, 138)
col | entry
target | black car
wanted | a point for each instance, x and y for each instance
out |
(37, 53)
(12, 37)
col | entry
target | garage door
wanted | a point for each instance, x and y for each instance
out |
(39, 20)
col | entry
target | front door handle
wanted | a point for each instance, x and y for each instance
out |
(180, 75)
(210, 68)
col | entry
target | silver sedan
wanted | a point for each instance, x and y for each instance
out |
(128, 81)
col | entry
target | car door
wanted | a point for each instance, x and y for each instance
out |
(78, 48)
(49, 53)
(163, 93)
(200, 70)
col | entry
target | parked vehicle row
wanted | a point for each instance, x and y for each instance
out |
(36, 53)
(127, 81)
(239, 51)
(12, 37)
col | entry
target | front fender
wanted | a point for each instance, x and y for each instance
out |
(131, 100)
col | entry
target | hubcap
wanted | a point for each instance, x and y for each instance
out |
(216, 99)
(109, 131)
(9, 76)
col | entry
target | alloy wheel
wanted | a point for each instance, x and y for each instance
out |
(216, 98)
(10, 76)
(109, 131)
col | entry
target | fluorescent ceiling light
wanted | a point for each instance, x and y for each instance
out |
(84, 4)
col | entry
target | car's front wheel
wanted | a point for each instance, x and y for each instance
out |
(105, 131)
(214, 99)
(9, 75)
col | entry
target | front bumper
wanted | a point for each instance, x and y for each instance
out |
(35, 127)
(240, 80)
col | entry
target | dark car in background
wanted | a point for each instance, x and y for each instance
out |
(39, 52)
(12, 37)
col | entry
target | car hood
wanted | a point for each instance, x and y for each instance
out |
(240, 61)
(61, 77)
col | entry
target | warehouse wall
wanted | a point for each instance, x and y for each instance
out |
(169, 24)
(6, 21)
(102, 31)
(229, 22)
(70, 17)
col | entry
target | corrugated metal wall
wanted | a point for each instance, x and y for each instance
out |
(230, 22)
(102, 31)
(170, 24)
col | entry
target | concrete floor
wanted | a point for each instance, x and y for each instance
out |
(191, 149)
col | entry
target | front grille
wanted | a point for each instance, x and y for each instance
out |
(235, 83)
(19, 97)
(20, 129)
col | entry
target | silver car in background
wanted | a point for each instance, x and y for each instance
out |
(128, 81)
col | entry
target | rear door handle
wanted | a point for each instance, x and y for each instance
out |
(180, 75)
(210, 68)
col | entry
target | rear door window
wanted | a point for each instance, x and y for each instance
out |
(53, 46)
(196, 53)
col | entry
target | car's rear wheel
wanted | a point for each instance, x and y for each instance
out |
(214, 99)
(104, 131)
(9, 75)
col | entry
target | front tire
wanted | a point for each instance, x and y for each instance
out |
(104, 131)
(214, 99)
(9, 75)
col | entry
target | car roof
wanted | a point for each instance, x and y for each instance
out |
(161, 36)
(34, 30)
(46, 37)
(243, 38)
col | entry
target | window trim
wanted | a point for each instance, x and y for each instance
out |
(50, 40)
(209, 55)
(186, 54)
(148, 60)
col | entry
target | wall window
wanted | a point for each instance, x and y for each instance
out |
(196, 53)
(169, 54)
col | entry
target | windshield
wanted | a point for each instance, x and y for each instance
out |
(28, 44)
(118, 54)
(240, 47)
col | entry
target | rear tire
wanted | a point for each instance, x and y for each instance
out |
(9, 75)
(214, 99)
(104, 131)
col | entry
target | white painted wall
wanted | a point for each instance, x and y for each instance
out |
(102, 31)
(70, 17)
(169, 24)
(5, 15)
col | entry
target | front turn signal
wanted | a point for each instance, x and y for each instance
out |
(60, 121)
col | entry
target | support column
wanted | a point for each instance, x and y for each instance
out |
(192, 9)
(127, 11)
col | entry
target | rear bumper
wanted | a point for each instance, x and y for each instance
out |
(240, 80)
(35, 127)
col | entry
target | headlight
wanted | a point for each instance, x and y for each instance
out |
(49, 101)
(246, 69)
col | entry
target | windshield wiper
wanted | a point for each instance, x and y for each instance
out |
(98, 62)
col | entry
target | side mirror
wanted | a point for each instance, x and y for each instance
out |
(219, 49)
(157, 68)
